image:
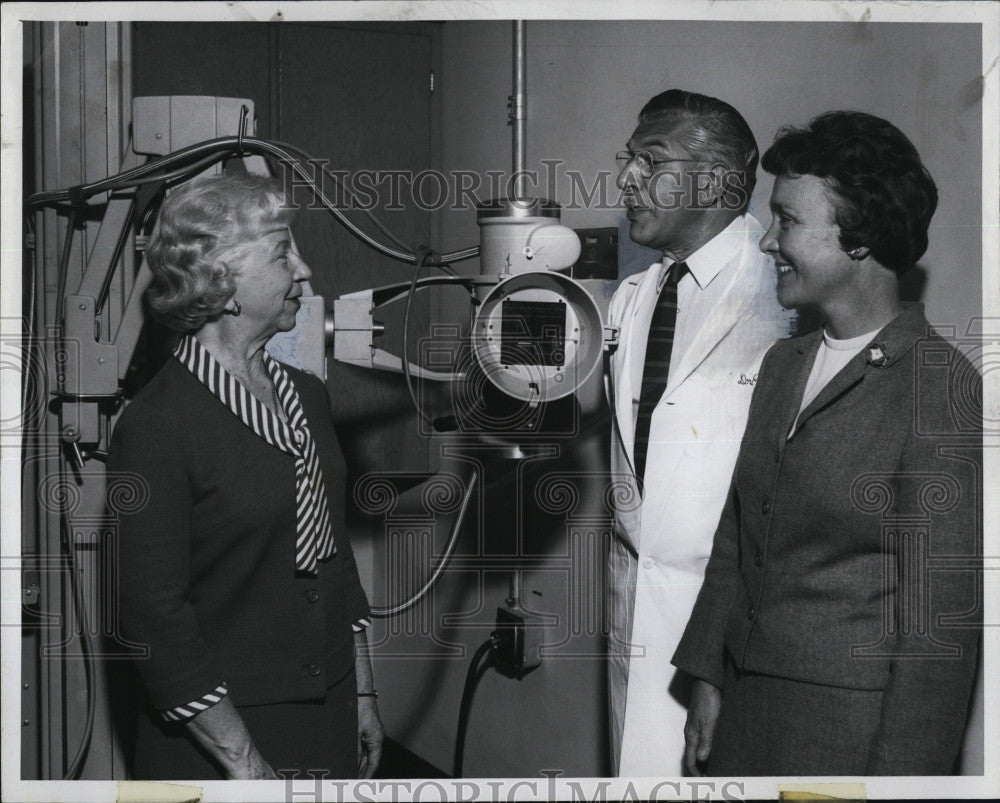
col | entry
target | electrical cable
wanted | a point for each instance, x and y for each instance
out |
(138, 175)
(151, 208)
(88, 650)
(461, 256)
(457, 256)
(394, 610)
(215, 147)
(74, 214)
(340, 216)
(350, 194)
(29, 337)
(423, 254)
(336, 180)
(195, 167)
(471, 678)
(116, 255)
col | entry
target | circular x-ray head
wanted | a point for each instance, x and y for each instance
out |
(538, 336)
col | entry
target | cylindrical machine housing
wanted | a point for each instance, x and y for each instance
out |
(538, 336)
(519, 235)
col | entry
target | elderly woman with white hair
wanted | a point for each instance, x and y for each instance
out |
(236, 574)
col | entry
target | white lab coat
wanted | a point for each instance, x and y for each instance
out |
(661, 545)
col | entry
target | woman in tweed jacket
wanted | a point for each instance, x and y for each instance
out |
(837, 628)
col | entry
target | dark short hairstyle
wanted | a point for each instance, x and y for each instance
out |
(199, 223)
(718, 133)
(884, 196)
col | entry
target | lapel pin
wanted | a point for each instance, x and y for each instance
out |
(876, 356)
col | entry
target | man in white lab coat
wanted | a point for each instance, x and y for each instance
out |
(686, 176)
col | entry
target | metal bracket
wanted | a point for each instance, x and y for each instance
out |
(610, 337)
(92, 375)
(355, 328)
(30, 594)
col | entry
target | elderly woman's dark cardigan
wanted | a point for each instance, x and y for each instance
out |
(207, 555)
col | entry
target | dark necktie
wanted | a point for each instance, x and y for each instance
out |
(657, 364)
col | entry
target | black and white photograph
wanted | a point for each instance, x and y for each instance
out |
(500, 401)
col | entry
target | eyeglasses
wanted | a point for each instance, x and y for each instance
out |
(644, 161)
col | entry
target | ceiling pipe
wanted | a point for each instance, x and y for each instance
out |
(518, 109)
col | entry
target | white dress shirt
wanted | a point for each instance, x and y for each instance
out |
(710, 270)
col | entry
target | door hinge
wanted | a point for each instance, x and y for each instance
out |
(432, 82)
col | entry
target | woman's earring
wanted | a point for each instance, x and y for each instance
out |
(857, 253)
(235, 311)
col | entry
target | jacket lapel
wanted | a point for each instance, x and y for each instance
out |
(892, 343)
(738, 305)
(798, 371)
(623, 373)
(849, 376)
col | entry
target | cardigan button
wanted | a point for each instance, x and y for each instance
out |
(312, 595)
(751, 613)
(765, 508)
(314, 669)
(758, 559)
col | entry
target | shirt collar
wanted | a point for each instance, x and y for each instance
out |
(708, 261)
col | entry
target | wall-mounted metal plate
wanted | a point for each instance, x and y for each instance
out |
(598, 254)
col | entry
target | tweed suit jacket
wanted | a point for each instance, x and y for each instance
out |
(847, 555)
(207, 560)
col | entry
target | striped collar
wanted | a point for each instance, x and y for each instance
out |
(241, 402)
(314, 540)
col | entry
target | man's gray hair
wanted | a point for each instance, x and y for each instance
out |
(717, 133)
